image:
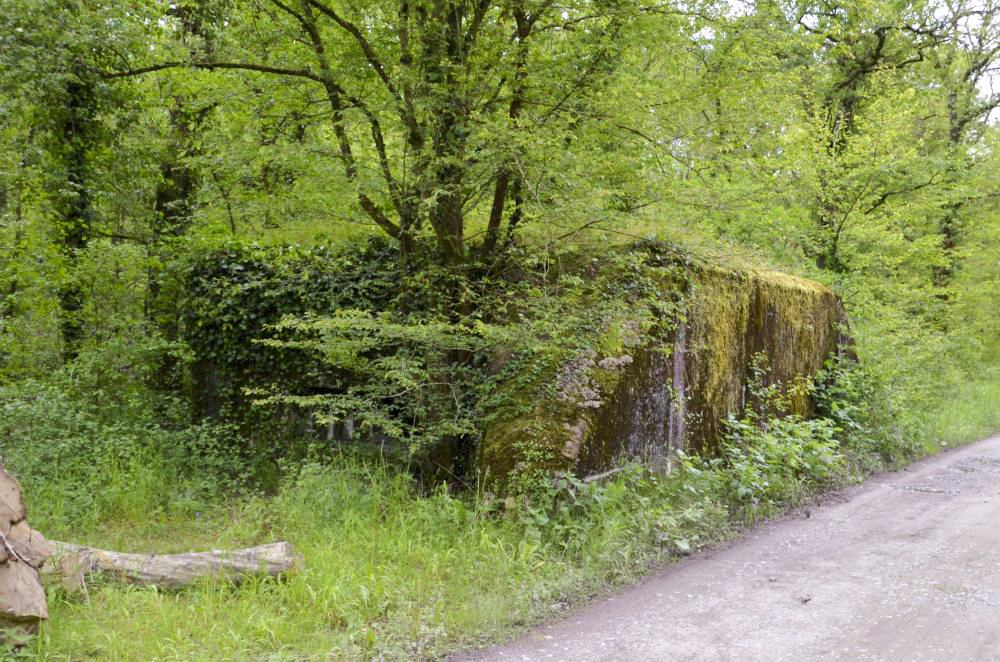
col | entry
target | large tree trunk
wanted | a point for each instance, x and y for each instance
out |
(76, 206)
(75, 563)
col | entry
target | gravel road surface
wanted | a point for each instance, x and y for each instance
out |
(905, 567)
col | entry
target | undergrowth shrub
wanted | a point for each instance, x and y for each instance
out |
(770, 460)
(865, 414)
(634, 514)
(767, 465)
(228, 297)
(81, 463)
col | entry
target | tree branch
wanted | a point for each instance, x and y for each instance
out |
(336, 95)
(246, 66)
(882, 199)
(513, 112)
(366, 47)
(482, 6)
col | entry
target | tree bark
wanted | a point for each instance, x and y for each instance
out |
(75, 563)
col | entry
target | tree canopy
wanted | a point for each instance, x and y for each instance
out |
(852, 141)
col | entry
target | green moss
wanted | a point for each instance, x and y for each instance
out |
(627, 387)
(793, 322)
(559, 427)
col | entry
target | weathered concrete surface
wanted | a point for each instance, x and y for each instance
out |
(904, 568)
(645, 395)
(793, 323)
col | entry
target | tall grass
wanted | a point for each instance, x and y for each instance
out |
(388, 574)
(970, 411)
(391, 572)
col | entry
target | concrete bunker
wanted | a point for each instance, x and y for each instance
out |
(657, 394)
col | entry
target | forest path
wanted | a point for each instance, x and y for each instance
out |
(904, 567)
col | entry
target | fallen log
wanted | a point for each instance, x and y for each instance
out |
(75, 563)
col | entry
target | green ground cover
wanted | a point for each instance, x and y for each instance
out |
(394, 572)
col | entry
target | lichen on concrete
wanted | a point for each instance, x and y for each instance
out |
(565, 427)
(794, 323)
(645, 396)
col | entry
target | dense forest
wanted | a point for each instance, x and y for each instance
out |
(234, 234)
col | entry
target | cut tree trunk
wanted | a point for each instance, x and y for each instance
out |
(75, 563)
(22, 552)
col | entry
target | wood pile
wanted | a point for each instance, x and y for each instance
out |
(22, 552)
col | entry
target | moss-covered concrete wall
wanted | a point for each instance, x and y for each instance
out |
(645, 397)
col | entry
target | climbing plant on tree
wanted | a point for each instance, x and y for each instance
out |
(965, 66)
(50, 64)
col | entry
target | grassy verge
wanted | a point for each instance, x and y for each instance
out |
(973, 411)
(390, 573)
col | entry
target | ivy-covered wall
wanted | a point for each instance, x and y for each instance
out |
(233, 296)
(649, 395)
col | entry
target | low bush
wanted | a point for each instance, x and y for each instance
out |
(84, 464)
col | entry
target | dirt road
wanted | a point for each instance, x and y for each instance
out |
(905, 567)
